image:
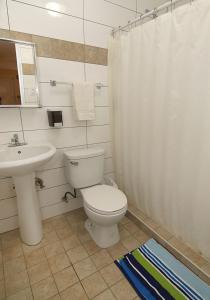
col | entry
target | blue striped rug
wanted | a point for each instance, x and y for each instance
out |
(156, 274)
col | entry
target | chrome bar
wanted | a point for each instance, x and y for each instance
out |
(152, 13)
(54, 83)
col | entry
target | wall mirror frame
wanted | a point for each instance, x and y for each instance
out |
(18, 74)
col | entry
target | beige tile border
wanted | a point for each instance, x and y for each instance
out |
(60, 49)
(195, 262)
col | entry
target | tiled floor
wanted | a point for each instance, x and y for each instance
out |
(67, 264)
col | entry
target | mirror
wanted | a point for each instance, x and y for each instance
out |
(18, 74)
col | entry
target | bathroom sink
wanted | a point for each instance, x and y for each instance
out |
(22, 160)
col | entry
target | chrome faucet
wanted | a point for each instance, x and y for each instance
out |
(15, 141)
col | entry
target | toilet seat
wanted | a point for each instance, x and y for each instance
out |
(104, 199)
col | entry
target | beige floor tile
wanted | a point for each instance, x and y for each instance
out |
(111, 274)
(65, 278)
(164, 233)
(94, 285)
(85, 268)
(131, 227)
(53, 249)
(64, 232)
(197, 259)
(76, 292)
(77, 254)
(16, 282)
(56, 297)
(123, 290)
(206, 268)
(12, 252)
(35, 257)
(83, 235)
(10, 239)
(91, 247)
(28, 249)
(101, 259)
(106, 295)
(124, 233)
(39, 272)
(15, 265)
(130, 243)
(59, 222)
(117, 250)
(125, 220)
(22, 295)
(71, 242)
(58, 262)
(141, 236)
(47, 226)
(44, 289)
(1, 272)
(178, 244)
(49, 238)
(2, 290)
(152, 224)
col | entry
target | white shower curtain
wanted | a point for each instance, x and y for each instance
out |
(160, 86)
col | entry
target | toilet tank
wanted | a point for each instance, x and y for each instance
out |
(84, 167)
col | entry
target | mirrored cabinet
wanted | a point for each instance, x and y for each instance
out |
(18, 74)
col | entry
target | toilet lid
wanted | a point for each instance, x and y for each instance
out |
(104, 198)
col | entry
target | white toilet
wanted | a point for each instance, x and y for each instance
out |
(104, 205)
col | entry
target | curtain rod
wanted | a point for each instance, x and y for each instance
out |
(152, 13)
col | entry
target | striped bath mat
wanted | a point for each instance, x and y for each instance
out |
(155, 274)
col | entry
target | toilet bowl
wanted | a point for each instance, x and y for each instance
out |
(105, 206)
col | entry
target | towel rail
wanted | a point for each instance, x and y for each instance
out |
(54, 83)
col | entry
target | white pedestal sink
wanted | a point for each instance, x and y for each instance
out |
(21, 162)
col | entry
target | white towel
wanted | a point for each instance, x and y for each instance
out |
(83, 100)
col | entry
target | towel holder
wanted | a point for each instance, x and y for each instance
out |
(53, 83)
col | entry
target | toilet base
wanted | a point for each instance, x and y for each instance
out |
(104, 236)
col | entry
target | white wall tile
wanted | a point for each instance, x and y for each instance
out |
(53, 195)
(142, 5)
(130, 4)
(3, 15)
(5, 137)
(96, 73)
(99, 134)
(106, 13)
(8, 208)
(71, 7)
(52, 178)
(60, 208)
(108, 167)
(60, 138)
(38, 119)
(60, 95)
(57, 161)
(101, 97)
(96, 34)
(106, 146)
(8, 224)
(10, 119)
(60, 70)
(102, 116)
(6, 188)
(30, 19)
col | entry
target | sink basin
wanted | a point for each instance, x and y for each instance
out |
(15, 161)
(21, 163)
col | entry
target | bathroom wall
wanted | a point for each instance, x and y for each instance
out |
(60, 32)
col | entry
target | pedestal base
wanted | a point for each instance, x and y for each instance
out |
(29, 214)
